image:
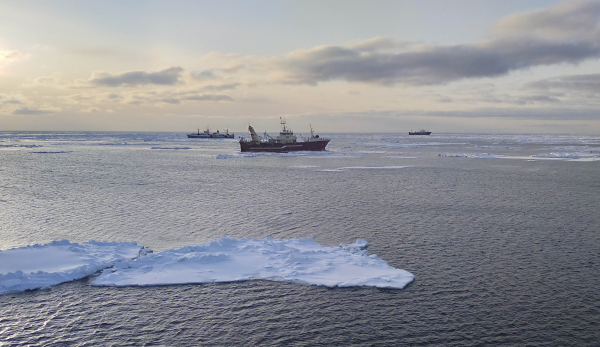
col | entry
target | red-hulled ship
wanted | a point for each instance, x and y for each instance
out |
(285, 142)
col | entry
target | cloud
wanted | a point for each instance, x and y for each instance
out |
(579, 83)
(170, 100)
(51, 82)
(12, 101)
(170, 97)
(428, 65)
(8, 57)
(564, 21)
(90, 110)
(221, 87)
(203, 75)
(15, 99)
(565, 33)
(168, 76)
(28, 111)
(208, 97)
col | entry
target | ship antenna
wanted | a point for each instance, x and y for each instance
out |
(282, 121)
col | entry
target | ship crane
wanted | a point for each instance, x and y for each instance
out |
(255, 138)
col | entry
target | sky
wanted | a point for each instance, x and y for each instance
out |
(450, 66)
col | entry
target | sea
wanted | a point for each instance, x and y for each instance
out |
(502, 234)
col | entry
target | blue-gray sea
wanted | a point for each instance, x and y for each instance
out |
(502, 233)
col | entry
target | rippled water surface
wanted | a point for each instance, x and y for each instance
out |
(500, 231)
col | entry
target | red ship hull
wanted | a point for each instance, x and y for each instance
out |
(284, 147)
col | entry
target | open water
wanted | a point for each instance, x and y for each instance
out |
(502, 233)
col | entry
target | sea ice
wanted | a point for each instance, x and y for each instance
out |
(227, 260)
(163, 147)
(363, 167)
(41, 266)
(471, 155)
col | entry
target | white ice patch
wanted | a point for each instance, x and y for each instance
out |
(374, 167)
(340, 169)
(568, 155)
(228, 260)
(170, 147)
(42, 266)
(471, 155)
(237, 155)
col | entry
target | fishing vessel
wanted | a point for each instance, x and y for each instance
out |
(420, 132)
(285, 142)
(208, 135)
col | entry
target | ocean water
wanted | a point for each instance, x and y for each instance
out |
(500, 231)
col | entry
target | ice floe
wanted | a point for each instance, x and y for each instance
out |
(228, 260)
(42, 266)
(223, 260)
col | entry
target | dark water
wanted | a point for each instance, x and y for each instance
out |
(505, 252)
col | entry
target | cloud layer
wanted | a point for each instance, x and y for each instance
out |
(565, 33)
(429, 65)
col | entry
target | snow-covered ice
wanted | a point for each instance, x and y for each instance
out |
(42, 266)
(227, 260)
(223, 260)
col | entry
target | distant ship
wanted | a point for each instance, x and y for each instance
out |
(208, 135)
(420, 132)
(285, 142)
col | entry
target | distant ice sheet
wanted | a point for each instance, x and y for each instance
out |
(41, 266)
(227, 260)
(581, 156)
